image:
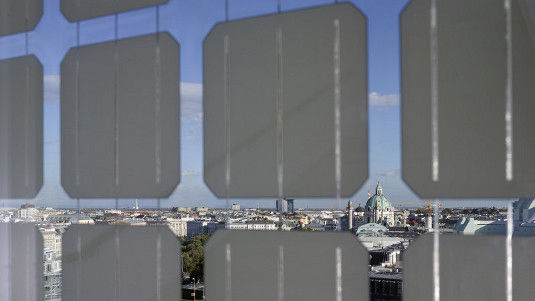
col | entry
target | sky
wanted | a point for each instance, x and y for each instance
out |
(189, 21)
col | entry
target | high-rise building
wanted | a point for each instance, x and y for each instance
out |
(285, 206)
(282, 206)
(291, 208)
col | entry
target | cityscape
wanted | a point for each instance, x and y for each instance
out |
(267, 122)
(384, 230)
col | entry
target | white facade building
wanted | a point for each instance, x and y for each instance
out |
(27, 212)
(178, 226)
(255, 226)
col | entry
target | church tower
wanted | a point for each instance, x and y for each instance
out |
(350, 213)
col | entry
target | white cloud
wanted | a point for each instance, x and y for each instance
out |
(51, 87)
(191, 90)
(191, 102)
(190, 173)
(380, 100)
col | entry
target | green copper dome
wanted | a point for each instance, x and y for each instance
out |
(379, 201)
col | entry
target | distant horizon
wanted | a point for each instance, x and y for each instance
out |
(140, 207)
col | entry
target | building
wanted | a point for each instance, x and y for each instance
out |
(52, 240)
(523, 222)
(253, 225)
(195, 228)
(282, 206)
(470, 225)
(181, 209)
(523, 212)
(27, 212)
(385, 250)
(67, 219)
(359, 211)
(132, 222)
(113, 211)
(179, 227)
(285, 206)
(290, 204)
(379, 209)
(52, 253)
(212, 227)
(235, 207)
(386, 286)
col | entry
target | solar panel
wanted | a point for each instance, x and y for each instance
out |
(107, 262)
(19, 15)
(120, 118)
(285, 104)
(21, 127)
(77, 10)
(467, 70)
(285, 266)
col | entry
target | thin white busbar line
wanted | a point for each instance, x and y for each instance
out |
(509, 253)
(78, 263)
(508, 92)
(158, 265)
(436, 254)
(28, 268)
(117, 264)
(280, 274)
(338, 274)
(434, 91)
(228, 273)
(77, 107)
(226, 101)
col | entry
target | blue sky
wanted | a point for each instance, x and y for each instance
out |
(189, 21)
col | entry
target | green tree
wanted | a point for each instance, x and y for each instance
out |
(447, 211)
(193, 256)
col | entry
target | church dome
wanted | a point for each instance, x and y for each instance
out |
(379, 201)
(359, 209)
